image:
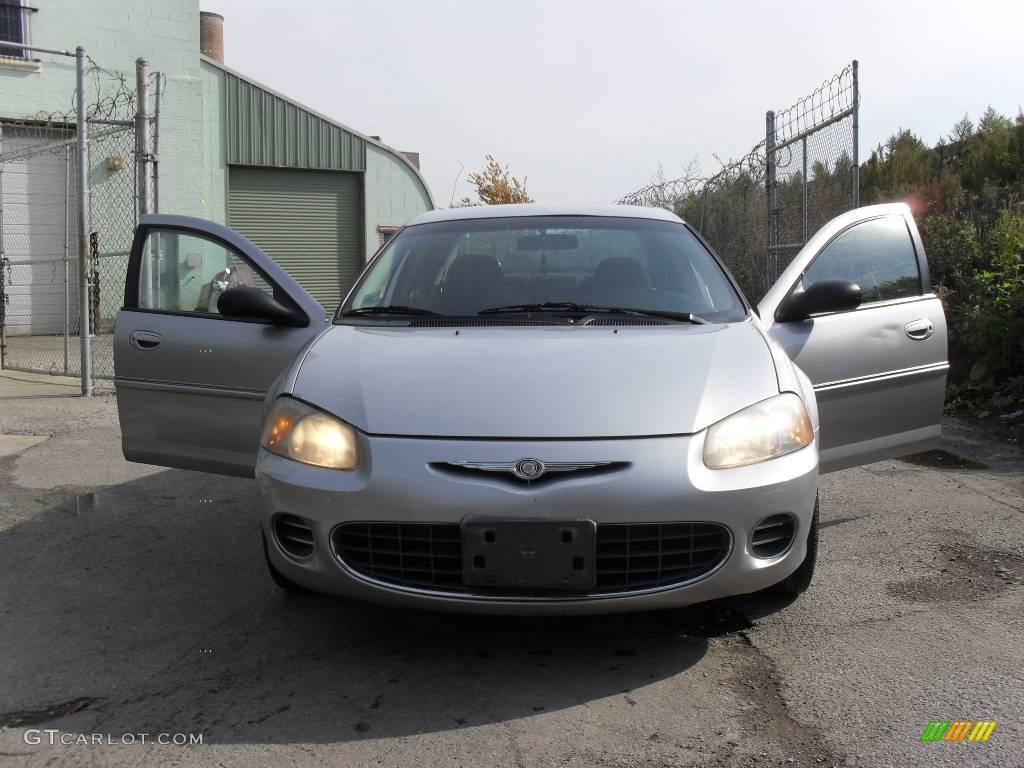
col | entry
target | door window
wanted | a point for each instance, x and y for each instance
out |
(184, 272)
(878, 255)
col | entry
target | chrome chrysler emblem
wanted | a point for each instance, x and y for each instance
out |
(528, 469)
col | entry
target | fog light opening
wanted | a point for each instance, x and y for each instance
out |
(773, 536)
(294, 536)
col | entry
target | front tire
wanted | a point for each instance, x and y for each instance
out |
(799, 581)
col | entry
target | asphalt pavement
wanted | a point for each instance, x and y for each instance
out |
(134, 600)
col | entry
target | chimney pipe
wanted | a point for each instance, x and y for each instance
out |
(211, 35)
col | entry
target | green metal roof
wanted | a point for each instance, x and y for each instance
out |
(266, 129)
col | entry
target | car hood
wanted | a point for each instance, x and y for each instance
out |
(545, 382)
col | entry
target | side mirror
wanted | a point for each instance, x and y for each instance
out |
(247, 303)
(823, 296)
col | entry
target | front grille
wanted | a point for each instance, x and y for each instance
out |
(410, 554)
(552, 474)
(772, 536)
(641, 556)
(294, 536)
(630, 557)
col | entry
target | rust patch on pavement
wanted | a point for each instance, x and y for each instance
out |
(964, 573)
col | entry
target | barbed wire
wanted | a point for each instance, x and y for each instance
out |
(730, 208)
(110, 96)
(833, 97)
(669, 193)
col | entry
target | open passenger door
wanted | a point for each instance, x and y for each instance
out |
(878, 367)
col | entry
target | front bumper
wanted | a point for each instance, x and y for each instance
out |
(665, 481)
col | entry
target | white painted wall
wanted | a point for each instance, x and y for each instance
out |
(394, 194)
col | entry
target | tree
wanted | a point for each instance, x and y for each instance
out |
(496, 186)
(962, 130)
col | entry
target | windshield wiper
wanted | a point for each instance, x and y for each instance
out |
(569, 306)
(668, 314)
(393, 309)
(565, 306)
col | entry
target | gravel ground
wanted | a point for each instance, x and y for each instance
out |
(133, 600)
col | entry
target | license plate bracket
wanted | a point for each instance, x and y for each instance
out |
(529, 554)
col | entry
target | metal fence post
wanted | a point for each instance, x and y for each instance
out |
(142, 166)
(856, 129)
(155, 155)
(703, 208)
(3, 310)
(67, 257)
(84, 329)
(142, 151)
(803, 193)
(769, 182)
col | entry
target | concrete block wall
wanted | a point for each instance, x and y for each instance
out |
(215, 173)
(394, 194)
(115, 33)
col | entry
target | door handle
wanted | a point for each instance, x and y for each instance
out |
(144, 339)
(919, 330)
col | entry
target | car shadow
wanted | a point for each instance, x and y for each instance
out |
(146, 607)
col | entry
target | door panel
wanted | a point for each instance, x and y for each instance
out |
(190, 383)
(879, 371)
(879, 393)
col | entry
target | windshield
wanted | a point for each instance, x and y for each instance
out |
(465, 267)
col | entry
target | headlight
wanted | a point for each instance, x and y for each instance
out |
(300, 432)
(765, 430)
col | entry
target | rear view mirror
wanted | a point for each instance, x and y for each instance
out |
(245, 303)
(547, 243)
(823, 296)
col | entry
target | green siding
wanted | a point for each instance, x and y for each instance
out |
(309, 222)
(266, 129)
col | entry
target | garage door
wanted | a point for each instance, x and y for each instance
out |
(34, 231)
(309, 222)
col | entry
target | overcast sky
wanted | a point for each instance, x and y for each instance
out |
(586, 97)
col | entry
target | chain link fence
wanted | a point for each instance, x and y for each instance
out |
(812, 166)
(40, 322)
(757, 212)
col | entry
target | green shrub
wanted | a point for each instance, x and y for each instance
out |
(966, 192)
(990, 327)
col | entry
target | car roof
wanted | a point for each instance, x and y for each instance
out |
(535, 209)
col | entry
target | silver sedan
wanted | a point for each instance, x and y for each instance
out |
(534, 409)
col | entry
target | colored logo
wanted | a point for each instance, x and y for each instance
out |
(958, 730)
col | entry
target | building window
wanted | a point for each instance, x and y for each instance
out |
(14, 28)
(385, 234)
